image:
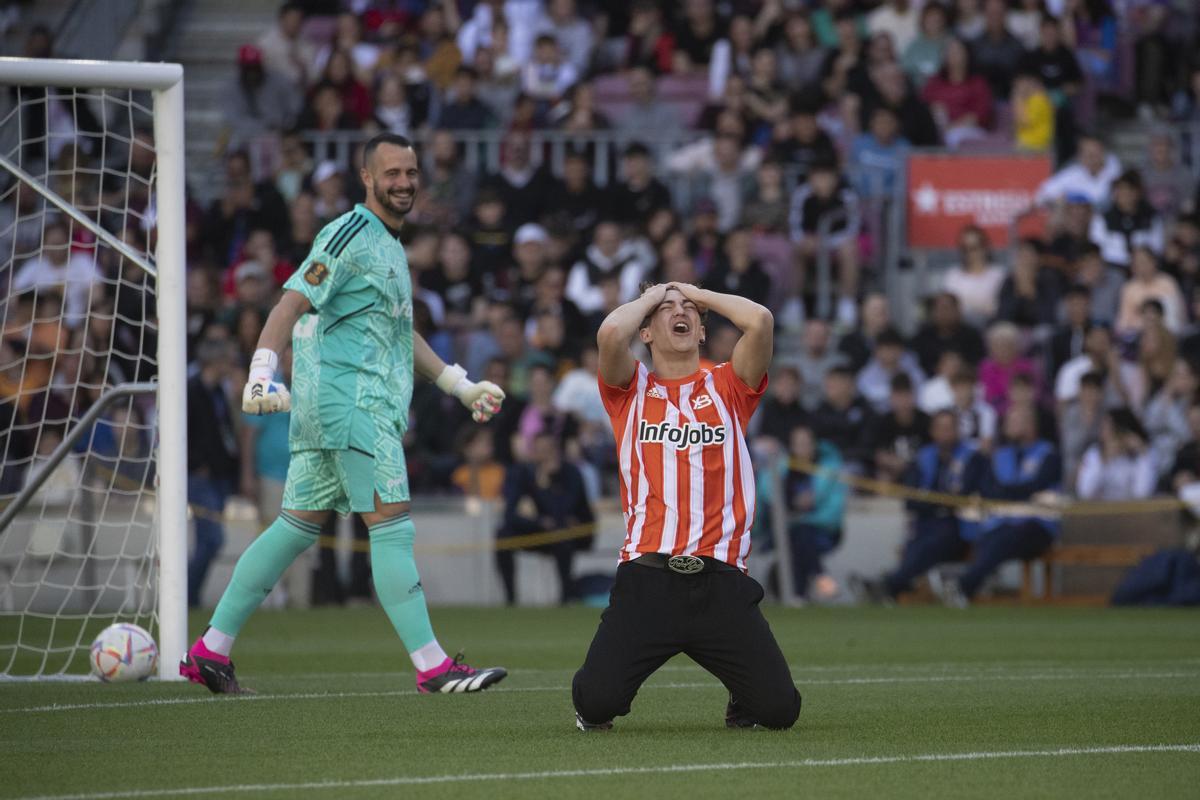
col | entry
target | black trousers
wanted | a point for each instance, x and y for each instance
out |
(712, 617)
(934, 541)
(1015, 540)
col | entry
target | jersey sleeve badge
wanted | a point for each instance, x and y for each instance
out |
(316, 274)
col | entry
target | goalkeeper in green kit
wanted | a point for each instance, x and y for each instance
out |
(348, 310)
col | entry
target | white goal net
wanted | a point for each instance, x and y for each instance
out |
(81, 425)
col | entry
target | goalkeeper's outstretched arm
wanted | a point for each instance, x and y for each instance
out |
(482, 398)
(262, 394)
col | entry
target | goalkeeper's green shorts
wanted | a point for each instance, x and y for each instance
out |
(345, 480)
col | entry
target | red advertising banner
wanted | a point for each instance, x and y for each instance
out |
(946, 192)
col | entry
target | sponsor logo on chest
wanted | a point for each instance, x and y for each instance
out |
(682, 436)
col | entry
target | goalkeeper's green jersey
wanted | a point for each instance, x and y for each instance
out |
(352, 368)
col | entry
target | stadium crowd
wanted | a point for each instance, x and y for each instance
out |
(1070, 362)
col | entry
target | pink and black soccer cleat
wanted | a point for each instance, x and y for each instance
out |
(210, 669)
(455, 676)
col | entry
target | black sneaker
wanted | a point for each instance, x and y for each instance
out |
(588, 727)
(734, 717)
(210, 669)
(458, 677)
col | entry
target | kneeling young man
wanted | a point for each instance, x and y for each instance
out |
(687, 490)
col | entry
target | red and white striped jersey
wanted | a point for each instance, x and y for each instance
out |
(687, 485)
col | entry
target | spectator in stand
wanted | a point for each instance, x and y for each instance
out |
(1185, 468)
(1120, 378)
(648, 42)
(1067, 340)
(726, 180)
(766, 97)
(496, 87)
(799, 54)
(1033, 114)
(646, 114)
(608, 254)
(899, 19)
(1080, 421)
(545, 495)
(805, 143)
(1059, 70)
(976, 281)
(889, 360)
(1003, 361)
(1156, 351)
(356, 98)
(857, 345)
(550, 298)
(845, 54)
(1169, 186)
(1148, 282)
(1089, 176)
(1104, 283)
(968, 19)
(639, 194)
(825, 215)
(58, 267)
(1128, 223)
(1186, 102)
(212, 453)
(348, 38)
(945, 330)
(1021, 470)
(881, 155)
(947, 465)
(1166, 414)
(447, 184)
(1181, 259)
(890, 88)
(1023, 391)
(901, 431)
(325, 111)
(996, 52)
(815, 499)
(1155, 60)
(522, 186)
(548, 75)
(1121, 465)
(260, 247)
(738, 272)
(1089, 28)
(816, 358)
(576, 200)
(573, 33)
(936, 393)
(258, 102)
(463, 110)
(1029, 295)
(695, 35)
(976, 418)
(731, 55)
(960, 98)
(285, 50)
(479, 475)
(923, 58)
(843, 418)
(766, 209)
(458, 287)
(330, 187)
(782, 410)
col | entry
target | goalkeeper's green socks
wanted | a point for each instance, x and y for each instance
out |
(256, 573)
(398, 587)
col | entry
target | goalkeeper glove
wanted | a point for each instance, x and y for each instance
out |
(483, 398)
(263, 395)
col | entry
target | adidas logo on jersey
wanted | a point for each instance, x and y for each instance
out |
(681, 436)
(657, 392)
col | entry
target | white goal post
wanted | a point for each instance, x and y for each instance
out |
(167, 269)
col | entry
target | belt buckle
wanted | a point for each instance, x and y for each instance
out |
(685, 565)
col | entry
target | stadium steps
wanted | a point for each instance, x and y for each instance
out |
(207, 46)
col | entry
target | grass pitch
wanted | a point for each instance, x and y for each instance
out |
(910, 702)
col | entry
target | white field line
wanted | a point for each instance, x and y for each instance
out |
(665, 769)
(181, 701)
(841, 669)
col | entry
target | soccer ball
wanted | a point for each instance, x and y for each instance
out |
(124, 652)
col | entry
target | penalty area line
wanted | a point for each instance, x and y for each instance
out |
(906, 679)
(666, 769)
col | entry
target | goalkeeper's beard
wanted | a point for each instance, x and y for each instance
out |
(385, 200)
